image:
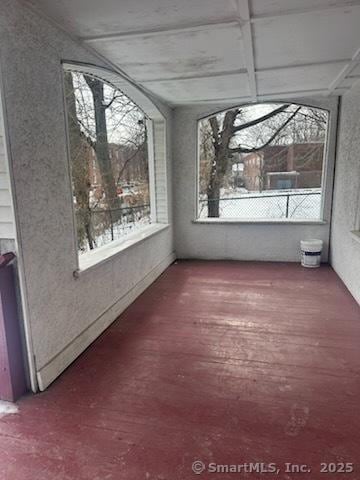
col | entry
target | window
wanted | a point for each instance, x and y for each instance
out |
(262, 161)
(110, 159)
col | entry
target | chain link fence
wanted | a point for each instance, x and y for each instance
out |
(100, 227)
(292, 205)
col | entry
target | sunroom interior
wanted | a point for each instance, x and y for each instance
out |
(162, 165)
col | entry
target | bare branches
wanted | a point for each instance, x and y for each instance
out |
(86, 134)
(262, 119)
(241, 149)
(115, 97)
(128, 160)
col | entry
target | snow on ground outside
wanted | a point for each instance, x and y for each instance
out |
(238, 203)
(120, 230)
(303, 204)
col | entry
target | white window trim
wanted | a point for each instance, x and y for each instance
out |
(151, 165)
(356, 232)
(280, 221)
(355, 235)
(327, 171)
(157, 158)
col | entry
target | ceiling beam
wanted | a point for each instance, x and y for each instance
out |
(246, 31)
(266, 97)
(166, 30)
(303, 65)
(300, 11)
(242, 71)
(297, 94)
(345, 71)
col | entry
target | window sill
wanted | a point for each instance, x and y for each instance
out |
(107, 252)
(277, 221)
(355, 235)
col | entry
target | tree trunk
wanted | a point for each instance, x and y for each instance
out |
(219, 167)
(213, 201)
(102, 147)
(213, 188)
(79, 158)
(88, 231)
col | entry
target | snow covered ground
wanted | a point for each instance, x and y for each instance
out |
(120, 229)
(298, 204)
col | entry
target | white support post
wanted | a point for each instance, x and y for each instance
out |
(151, 163)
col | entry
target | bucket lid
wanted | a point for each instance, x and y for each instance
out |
(312, 244)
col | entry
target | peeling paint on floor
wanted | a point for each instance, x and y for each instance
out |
(7, 408)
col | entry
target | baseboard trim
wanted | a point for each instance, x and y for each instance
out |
(49, 372)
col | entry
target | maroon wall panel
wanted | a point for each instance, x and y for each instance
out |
(12, 372)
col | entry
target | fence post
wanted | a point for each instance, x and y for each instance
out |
(111, 225)
(287, 205)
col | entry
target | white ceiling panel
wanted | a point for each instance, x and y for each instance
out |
(273, 7)
(213, 88)
(176, 54)
(307, 38)
(297, 78)
(94, 17)
(198, 50)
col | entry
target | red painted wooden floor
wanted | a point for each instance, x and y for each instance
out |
(227, 363)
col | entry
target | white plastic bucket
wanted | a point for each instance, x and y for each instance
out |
(311, 252)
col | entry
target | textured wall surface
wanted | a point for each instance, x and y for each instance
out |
(345, 248)
(240, 241)
(59, 307)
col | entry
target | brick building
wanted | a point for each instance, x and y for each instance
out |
(281, 167)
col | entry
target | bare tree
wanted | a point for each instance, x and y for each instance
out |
(108, 144)
(225, 131)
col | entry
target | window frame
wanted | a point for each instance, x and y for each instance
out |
(356, 232)
(327, 175)
(153, 116)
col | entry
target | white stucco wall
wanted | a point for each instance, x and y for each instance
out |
(63, 314)
(345, 247)
(239, 241)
